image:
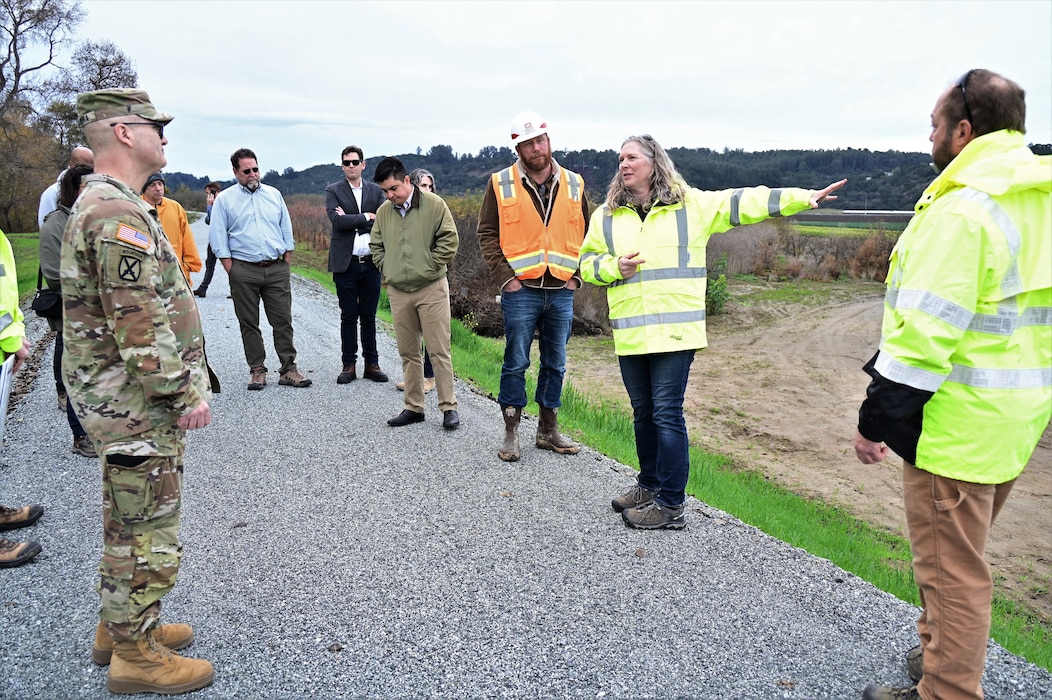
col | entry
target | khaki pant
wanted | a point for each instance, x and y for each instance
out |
(424, 312)
(949, 522)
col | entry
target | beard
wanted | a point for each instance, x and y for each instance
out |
(252, 185)
(941, 155)
(538, 162)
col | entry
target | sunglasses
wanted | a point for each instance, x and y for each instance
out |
(249, 171)
(156, 126)
(353, 161)
(962, 85)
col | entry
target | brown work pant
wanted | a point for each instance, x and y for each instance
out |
(949, 522)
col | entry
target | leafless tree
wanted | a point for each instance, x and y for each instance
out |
(33, 33)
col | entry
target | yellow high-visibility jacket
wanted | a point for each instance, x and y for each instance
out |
(662, 307)
(968, 311)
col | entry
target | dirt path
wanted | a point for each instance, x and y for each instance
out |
(778, 390)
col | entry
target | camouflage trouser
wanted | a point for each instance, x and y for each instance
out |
(141, 497)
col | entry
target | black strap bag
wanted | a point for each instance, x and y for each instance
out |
(47, 303)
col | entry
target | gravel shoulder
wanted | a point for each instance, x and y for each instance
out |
(328, 555)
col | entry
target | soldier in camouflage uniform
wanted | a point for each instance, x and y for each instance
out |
(135, 371)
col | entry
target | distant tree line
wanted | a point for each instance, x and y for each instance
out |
(876, 179)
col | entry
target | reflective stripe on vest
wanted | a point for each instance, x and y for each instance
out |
(681, 272)
(1005, 322)
(561, 262)
(6, 320)
(773, 204)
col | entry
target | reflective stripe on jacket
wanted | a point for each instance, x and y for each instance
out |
(529, 246)
(662, 307)
(968, 311)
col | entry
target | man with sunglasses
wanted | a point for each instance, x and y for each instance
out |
(251, 234)
(135, 370)
(351, 205)
(961, 386)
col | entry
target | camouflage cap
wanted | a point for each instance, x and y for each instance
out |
(117, 102)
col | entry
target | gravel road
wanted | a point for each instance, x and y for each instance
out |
(330, 556)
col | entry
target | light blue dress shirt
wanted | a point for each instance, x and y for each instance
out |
(250, 226)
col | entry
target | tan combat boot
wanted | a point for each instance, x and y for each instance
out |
(174, 637)
(147, 666)
(510, 451)
(548, 437)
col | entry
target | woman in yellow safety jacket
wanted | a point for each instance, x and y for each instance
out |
(646, 244)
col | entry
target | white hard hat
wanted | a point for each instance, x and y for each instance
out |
(526, 126)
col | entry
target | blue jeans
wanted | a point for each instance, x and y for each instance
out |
(358, 289)
(656, 384)
(550, 312)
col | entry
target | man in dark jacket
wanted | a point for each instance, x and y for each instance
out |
(351, 205)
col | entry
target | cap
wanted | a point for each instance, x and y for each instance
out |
(117, 102)
(158, 176)
(526, 126)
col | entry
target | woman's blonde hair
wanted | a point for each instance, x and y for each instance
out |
(666, 185)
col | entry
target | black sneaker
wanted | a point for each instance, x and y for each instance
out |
(654, 516)
(201, 292)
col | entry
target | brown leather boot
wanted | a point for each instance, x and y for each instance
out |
(548, 437)
(510, 451)
(175, 637)
(147, 666)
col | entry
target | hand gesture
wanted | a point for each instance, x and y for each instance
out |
(822, 195)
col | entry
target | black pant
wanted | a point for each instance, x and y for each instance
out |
(210, 269)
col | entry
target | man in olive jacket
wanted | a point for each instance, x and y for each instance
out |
(412, 241)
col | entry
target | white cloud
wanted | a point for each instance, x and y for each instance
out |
(297, 81)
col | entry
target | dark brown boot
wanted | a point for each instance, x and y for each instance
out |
(510, 451)
(548, 437)
(174, 637)
(147, 666)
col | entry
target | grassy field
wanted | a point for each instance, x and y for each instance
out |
(874, 555)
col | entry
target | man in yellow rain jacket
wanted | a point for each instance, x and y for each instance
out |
(962, 382)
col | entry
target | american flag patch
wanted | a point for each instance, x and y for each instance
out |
(136, 238)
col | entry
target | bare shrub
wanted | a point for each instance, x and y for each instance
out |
(310, 223)
(870, 260)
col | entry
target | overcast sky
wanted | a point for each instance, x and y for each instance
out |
(298, 81)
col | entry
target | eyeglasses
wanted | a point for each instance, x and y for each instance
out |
(353, 161)
(156, 126)
(249, 171)
(962, 84)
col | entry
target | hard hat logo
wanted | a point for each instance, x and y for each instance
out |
(526, 126)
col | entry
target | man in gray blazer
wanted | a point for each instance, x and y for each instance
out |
(351, 205)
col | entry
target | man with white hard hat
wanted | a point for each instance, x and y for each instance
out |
(531, 226)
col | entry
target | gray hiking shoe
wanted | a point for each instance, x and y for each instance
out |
(654, 516)
(915, 663)
(883, 692)
(635, 497)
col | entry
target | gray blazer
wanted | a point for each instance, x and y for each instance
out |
(344, 228)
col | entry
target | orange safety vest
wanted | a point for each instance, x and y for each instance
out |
(529, 246)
